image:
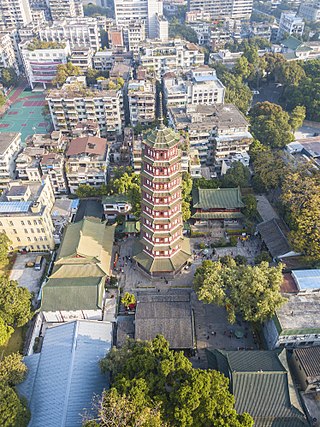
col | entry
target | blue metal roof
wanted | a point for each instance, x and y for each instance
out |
(307, 279)
(75, 204)
(65, 376)
(14, 207)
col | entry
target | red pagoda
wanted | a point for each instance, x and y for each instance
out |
(164, 249)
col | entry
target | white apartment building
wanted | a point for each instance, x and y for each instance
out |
(25, 215)
(162, 28)
(52, 165)
(15, 13)
(7, 54)
(28, 164)
(290, 24)
(10, 145)
(80, 32)
(173, 55)
(64, 9)
(142, 100)
(218, 9)
(40, 63)
(134, 35)
(219, 132)
(103, 60)
(202, 87)
(82, 57)
(87, 162)
(310, 11)
(139, 10)
(74, 102)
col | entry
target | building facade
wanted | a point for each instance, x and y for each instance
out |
(7, 54)
(290, 24)
(41, 62)
(142, 101)
(164, 250)
(25, 215)
(217, 9)
(10, 145)
(74, 103)
(80, 32)
(310, 11)
(15, 13)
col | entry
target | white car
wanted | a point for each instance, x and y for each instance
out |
(256, 92)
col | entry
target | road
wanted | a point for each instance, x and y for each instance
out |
(268, 92)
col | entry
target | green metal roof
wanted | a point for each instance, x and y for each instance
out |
(291, 43)
(261, 384)
(220, 198)
(217, 215)
(71, 294)
(162, 138)
(165, 265)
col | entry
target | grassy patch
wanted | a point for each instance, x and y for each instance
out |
(15, 343)
(5, 268)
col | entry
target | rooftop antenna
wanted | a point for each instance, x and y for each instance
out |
(161, 126)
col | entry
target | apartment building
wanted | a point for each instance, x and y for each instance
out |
(28, 164)
(52, 165)
(199, 86)
(141, 100)
(10, 145)
(162, 28)
(75, 102)
(7, 54)
(64, 9)
(173, 55)
(103, 60)
(134, 35)
(310, 11)
(219, 9)
(87, 162)
(139, 10)
(219, 132)
(15, 13)
(25, 215)
(290, 24)
(82, 57)
(80, 32)
(41, 60)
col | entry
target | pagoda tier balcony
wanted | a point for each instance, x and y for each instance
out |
(158, 162)
(161, 206)
(160, 155)
(166, 189)
(159, 178)
(156, 246)
(161, 220)
(162, 171)
(162, 233)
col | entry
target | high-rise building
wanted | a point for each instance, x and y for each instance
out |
(64, 9)
(164, 249)
(290, 24)
(15, 13)
(139, 10)
(218, 9)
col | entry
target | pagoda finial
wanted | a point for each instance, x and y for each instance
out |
(161, 126)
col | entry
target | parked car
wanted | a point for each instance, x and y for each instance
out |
(255, 92)
(38, 263)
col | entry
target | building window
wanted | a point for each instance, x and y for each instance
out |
(11, 223)
(28, 238)
(18, 239)
(14, 231)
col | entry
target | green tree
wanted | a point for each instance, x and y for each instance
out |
(297, 117)
(64, 71)
(290, 73)
(4, 247)
(237, 92)
(12, 370)
(5, 332)
(9, 77)
(269, 170)
(254, 292)
(12, 412)
(128, 299)
(3, 99)
(256, 148)
(242, 67)
(150, 375)
(116, 410)
(176, 29)
(270, 125)
(15, 303)
(236, 175)
(264, 256)
(206, 183)
(250, 209)
(301, 197)
(186, 196)
(307, 94)
(273, 61)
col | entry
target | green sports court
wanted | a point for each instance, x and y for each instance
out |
(25, 114)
